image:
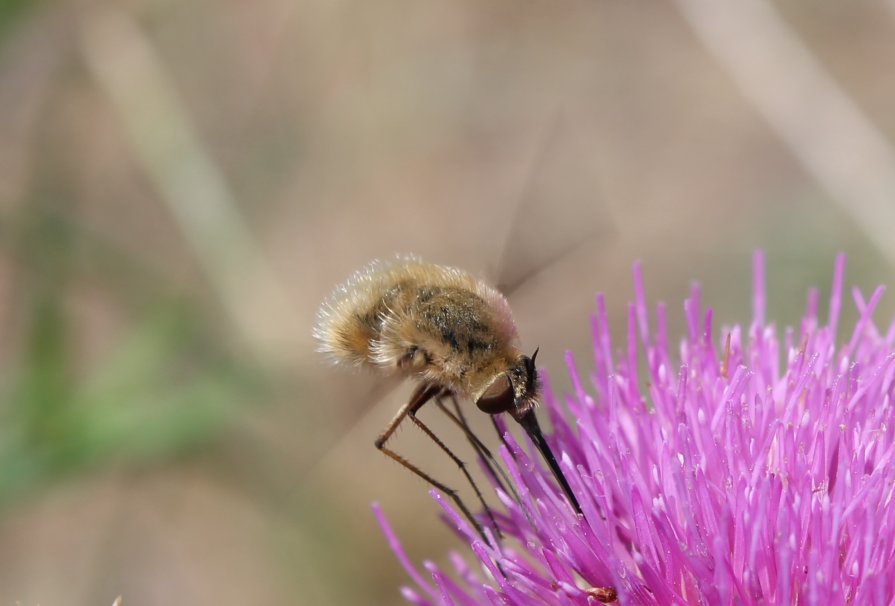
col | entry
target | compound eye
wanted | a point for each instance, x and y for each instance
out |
(499, 396)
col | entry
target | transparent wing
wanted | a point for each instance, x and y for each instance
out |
(560, 208)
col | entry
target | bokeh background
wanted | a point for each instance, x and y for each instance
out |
(181, 183)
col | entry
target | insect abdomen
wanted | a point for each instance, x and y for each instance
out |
(420, 319)
(350, 328)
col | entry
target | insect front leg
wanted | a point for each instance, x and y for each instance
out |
(497, 473)
(423, 394)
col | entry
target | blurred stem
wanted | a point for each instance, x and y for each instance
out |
(46, 384)
(167, 146)
(164, 388)
(816, 119)
(11, 11)
(45, 387)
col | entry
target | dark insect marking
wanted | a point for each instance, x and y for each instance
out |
(407, 358)
(457, 317)
(374, 316)
(474, 345)
(451, 337)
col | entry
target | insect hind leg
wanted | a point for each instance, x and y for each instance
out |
(423, 394)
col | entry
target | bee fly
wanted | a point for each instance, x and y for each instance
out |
(452, 332)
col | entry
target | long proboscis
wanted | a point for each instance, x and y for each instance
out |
(529, 423)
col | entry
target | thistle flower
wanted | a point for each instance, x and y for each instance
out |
(727, 474)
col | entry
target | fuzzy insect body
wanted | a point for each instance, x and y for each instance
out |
(439, 324)
(452, 332)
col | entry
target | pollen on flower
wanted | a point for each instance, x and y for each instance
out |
(715, 479)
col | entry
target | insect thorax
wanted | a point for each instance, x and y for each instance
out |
(447, 334)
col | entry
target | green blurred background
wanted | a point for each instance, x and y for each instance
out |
(181, 183)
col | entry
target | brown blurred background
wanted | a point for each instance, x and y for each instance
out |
(181, 183)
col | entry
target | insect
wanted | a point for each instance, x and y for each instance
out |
(452, 332)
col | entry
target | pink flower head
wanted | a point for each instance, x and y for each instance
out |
(750, 468)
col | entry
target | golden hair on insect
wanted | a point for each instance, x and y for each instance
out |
(412, 318)
(452, 332)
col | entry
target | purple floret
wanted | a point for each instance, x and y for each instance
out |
(749, 468)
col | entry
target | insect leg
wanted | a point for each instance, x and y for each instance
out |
(480, 448)
(494, 468)
(422, 395)
(459, 463)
